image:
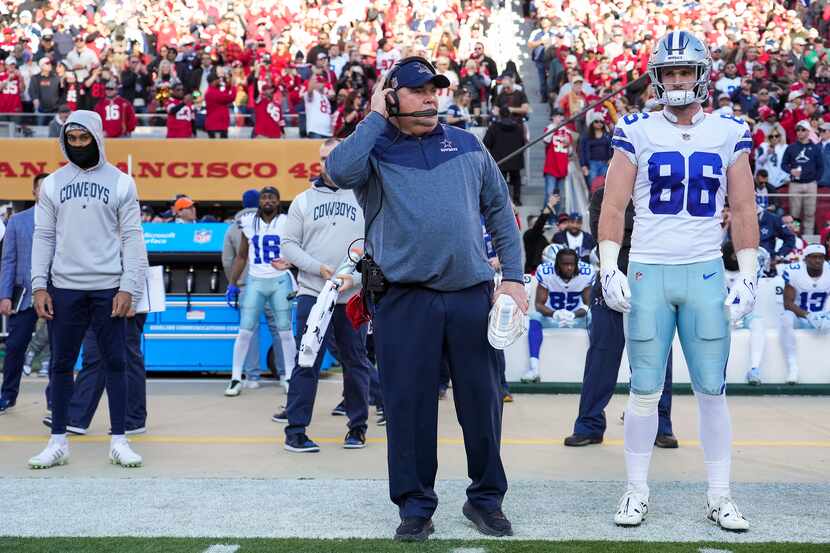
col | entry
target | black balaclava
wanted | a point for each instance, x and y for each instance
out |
(86, 157)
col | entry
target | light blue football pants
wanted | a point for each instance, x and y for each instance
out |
(688, 298)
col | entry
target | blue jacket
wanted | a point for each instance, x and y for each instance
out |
(16, 267)
(825, 157)
(595, 149)
(808, 156)
(771, 227)
(424, 217)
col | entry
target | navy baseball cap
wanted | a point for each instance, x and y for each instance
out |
(575, 216)
(414, 74)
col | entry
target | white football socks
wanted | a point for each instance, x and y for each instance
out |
(716, 438)
(640, 432)
(788, 336)
(534, 363)
(240, 351)
(289, 351)
(757, 341)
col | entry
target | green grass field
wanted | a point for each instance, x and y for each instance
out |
(198, 545)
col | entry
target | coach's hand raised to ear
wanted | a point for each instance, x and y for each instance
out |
(43, 304)
(121, 304)
(378, 101)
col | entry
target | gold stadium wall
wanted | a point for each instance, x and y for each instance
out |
(206, 170)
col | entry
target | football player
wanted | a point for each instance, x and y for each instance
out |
(562, 297)
(805, 302)
(268, 281)
(678, 165)
(753, 321)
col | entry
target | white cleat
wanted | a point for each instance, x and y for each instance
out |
(55, 454)
(792, 374)
(531, 375)
(234, 388)
(122, 454)
(725, 514)
(632, 510)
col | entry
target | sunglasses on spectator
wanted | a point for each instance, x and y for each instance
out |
(775, 136)
(801, 129)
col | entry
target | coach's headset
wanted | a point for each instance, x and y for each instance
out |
(393, 103)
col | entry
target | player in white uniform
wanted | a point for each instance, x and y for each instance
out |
(562, 297)
(753, 321)
(268, 281)
(677, 165)
(805, 302)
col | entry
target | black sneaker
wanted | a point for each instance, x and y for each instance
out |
(5, 405)
(414, 529)
(340, 410)
(381, 420)
(300, 443)
(491, 524)
(355, 439)
(70, 429)
(666, 441)
(578, 440)
(281, 417)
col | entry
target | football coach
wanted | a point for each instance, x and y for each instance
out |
(423, 187)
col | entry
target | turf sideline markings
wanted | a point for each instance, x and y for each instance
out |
(469, 550)
(702, 550)
(220, 548)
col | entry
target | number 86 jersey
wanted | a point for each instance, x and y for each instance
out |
(264, 241)
(680, 186)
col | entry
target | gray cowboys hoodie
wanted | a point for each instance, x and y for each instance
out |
(88, 225)
(322, 223)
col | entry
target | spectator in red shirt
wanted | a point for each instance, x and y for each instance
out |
(180, 113)
(217, 99)
(116, 113)
(557, 152)
(269, 122)
(11, 87)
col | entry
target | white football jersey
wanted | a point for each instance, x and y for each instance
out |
(810, 293)
(263, 243)
(680, 186)
(561, 294)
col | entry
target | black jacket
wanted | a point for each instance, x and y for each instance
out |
(588, 244)
(504, 137)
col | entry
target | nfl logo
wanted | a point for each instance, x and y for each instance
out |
(202, 236)
(638, 275)
(686, 136)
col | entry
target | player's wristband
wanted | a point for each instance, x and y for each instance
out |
(609, 253)
(748, 263)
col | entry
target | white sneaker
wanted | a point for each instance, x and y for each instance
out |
(55, 454)
(725, 514)
(792, 374)
(632, 510)
(531, 375)
(251, 384)
(234, 388)
(122, 454)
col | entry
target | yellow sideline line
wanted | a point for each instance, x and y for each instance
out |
(278, 438)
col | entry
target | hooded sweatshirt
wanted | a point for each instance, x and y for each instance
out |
(88, 224)
(322, 224)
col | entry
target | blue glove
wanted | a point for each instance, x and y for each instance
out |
(232, 296)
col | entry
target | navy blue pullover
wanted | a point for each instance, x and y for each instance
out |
(434, 191)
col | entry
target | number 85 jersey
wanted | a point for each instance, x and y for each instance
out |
(680, 186)
(264, 242)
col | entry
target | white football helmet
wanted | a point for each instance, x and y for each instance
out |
(550, 252)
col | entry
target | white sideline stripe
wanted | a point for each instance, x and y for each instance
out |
(702, 550)
(469, 550)
(219, 548)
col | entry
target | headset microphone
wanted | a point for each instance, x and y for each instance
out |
(424, 113)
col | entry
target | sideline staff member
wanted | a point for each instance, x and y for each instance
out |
(423, 188)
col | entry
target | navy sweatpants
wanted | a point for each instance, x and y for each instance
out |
(414, 329)
(351, 347)
(20, 328)
(76, 311)
(91, 381)
(602, 364)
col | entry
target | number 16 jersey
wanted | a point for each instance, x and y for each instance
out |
(680, 186)
(264, 242)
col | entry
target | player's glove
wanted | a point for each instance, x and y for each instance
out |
(232, 296)
(819, 321)
(614, 283)
(564, 317)
(746, 285)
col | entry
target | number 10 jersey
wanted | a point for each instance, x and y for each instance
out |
(680, 186)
